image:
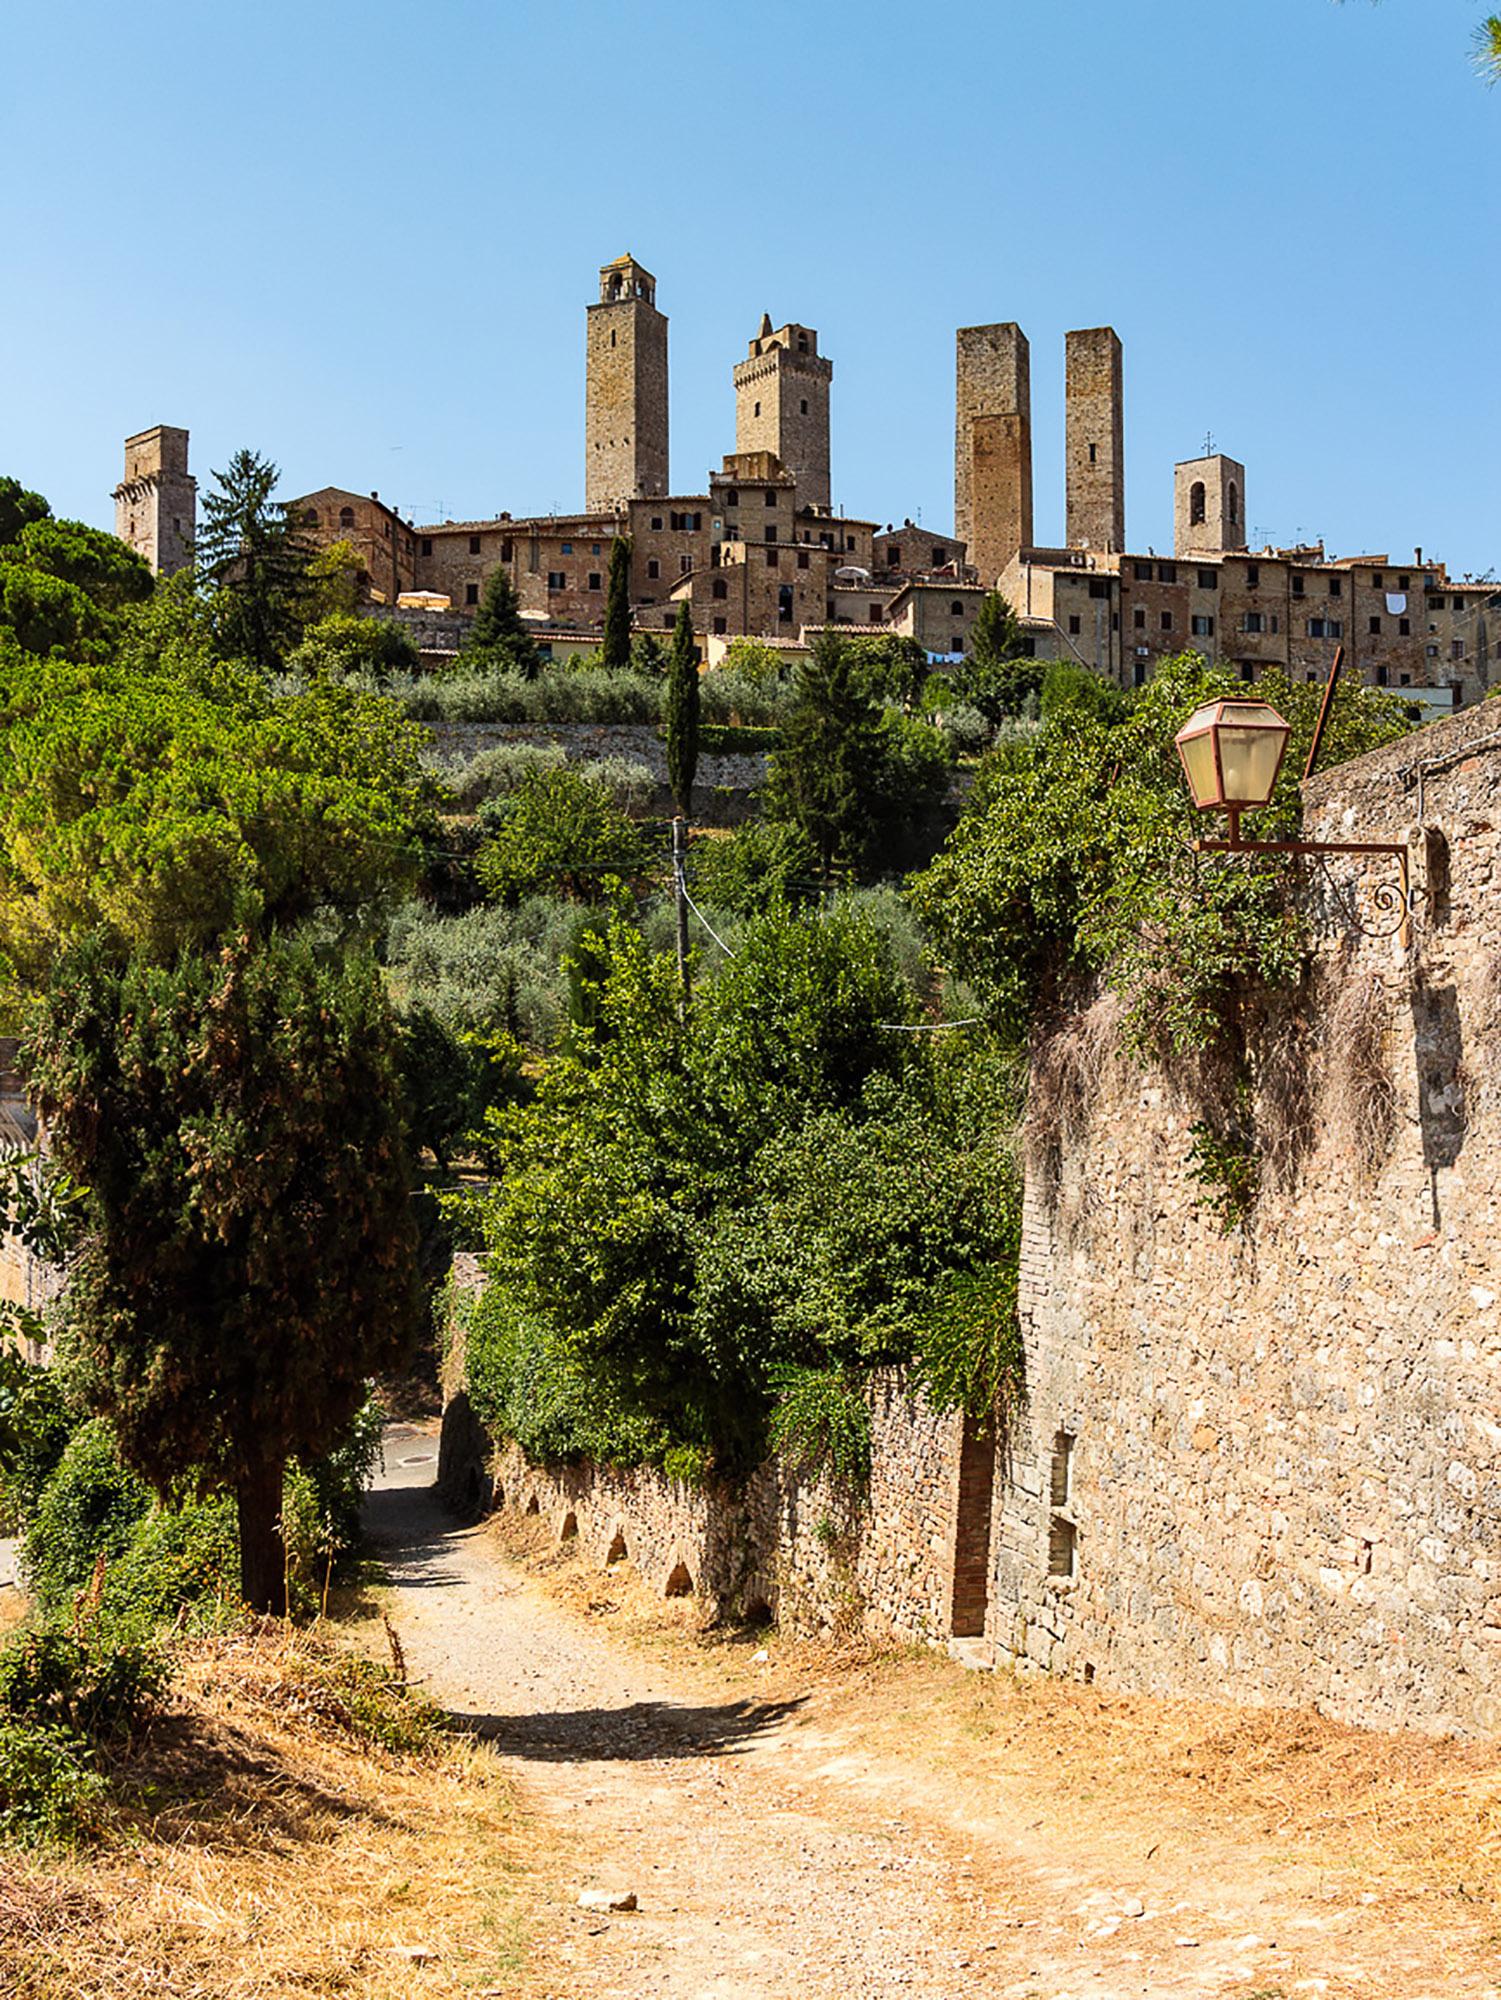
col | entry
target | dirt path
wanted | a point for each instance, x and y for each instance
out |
(775, 1858)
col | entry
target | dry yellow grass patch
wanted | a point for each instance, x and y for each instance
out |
(262, 1844)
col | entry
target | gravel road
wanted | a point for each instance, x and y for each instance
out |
(774, 1860)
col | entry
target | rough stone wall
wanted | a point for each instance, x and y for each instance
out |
(782, 406)
(1224, 522)
(1269, 1466)
(797, 1549)
(1094, 449)
(992, 445)
(156, 503)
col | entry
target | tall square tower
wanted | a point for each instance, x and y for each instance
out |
(156, 503)
(1094, 447)
(993, 445)
(1209, 505)
(782, 405)
(625, 398)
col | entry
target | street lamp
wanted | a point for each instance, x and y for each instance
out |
(1232, 753)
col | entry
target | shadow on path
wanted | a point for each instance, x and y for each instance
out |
(644, 1730)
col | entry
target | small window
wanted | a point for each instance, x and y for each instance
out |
(1091, 454)
(556, 580)
(1139, 619)
(1209, 579)
(1378, 581)
(656, 520)
(805, 406)
(956, 643)
(719, 588)
(1062, 1546)
(771, 496)
(784, 603)
(685, 563)
(1381, 676)
(1374, 628)
(1404, 627)
(594, 548)
(1139, 674)
(1073, 623)
(474, 545)
(1143, 572)
(1196, 504)
(721, 625)
(758, 409)
(936, 558)
(1167, 572)
(893, 555)
(653, 568)
(1404, 582)
(773, 558)
(427, 545)
(849, 542)
(1336, 586)
(1099, 586)
(1456, 649)
(388, 531)
(1252, 622)
(771, 531)
(802, 558)
(1431, 651)
(309, 519)
(1253, 575)
(956, 609)
(471, 593)
(346, 517)
(1202, 627)
(1233, 509)
(505, 551)
(732, 498)
(1167, 621)
(1298, 583)
(875, 614)
(594, 582)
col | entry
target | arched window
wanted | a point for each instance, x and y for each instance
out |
(1196, 504)
(310, 518)
(346, 517)
(721, 588)
(1234, 508)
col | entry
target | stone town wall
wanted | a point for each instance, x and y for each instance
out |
(1269, 1466)
(783, 1546)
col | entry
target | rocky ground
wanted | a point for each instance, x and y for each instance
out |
(779, 1842)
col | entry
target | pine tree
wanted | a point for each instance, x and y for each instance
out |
(497, 637)
(996, 635)
(826, 775)
(249, 546)
(997, 677)
(682, 711)
(616, 650)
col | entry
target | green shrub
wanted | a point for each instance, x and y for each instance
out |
(559, 830)
(35, 1424)
(48, 1790)
(760, 865)
(969, 1348)
(358, 1696)
(558, 694)
(820, 1422)
(88, 1681)
(491, 773)
(180, 1562)
(89, 1507)
(731, 739)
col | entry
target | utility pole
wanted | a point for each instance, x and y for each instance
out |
(680, 894)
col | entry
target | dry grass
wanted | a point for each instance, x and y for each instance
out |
(1067, 1074)
(260, 1846)
(1358, 1098)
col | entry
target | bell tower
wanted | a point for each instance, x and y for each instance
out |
(625, 397)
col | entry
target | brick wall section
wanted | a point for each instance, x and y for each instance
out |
(1285, 1478)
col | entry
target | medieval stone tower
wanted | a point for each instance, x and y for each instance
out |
(156, 503)
(1094, 450)
(625, 408)
(782, 405)
(1209, 505)
(993, 445)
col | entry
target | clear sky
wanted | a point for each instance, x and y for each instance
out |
(361, 238)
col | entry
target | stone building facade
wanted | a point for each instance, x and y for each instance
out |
(782, 405)
(1209, 505)
(386, 545)
(625, 400)
(1094, 443)
(156, 502)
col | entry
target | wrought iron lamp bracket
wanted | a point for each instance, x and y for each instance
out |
(1396, 902)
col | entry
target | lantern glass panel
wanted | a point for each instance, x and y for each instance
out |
(1250, 759)
(1198, 762)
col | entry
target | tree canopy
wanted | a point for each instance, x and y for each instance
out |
(252, 550)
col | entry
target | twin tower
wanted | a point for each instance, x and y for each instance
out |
(993, 444)
(781, 397)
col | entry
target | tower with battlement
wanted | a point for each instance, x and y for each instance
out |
(625, 400)
(156, 503)
(782, 405)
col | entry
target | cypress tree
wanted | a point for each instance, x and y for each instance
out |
(826, 776)
(616, 650)
(682, 711)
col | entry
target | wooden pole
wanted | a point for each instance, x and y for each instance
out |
(1324, 707)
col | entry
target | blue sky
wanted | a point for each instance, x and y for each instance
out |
(361, 238)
